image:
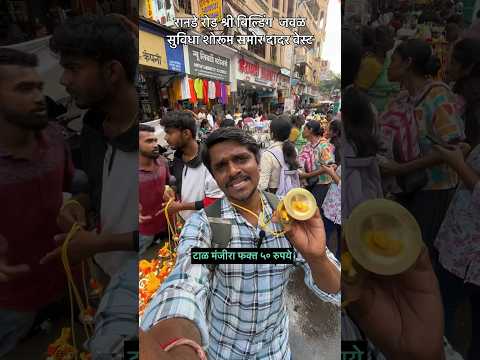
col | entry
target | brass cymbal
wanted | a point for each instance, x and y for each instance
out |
(383, 237)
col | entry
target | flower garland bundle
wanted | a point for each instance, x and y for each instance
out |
(61, 349)
(153, 273)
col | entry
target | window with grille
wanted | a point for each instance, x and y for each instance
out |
(185, 5)
(274, 51)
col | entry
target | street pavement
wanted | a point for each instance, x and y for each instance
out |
(314, 324)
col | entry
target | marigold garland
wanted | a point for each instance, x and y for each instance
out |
(152, 274)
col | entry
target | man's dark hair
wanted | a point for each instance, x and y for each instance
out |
(359, 123)
(181, 120)
(285, 117)
(298, 121)
(10, 56)
(424, 61)
(229, 134)
(280, 130)
(102, 38)
(227, 123)
(145, 127)
(272, 117)
(315, 127)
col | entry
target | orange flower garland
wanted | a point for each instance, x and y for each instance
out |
(153, 273)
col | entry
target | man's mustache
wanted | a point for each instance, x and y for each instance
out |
(236, 178)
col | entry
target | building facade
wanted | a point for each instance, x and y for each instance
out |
(261, 75)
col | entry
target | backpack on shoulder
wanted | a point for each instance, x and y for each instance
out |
(221, 229)
(289, 179)
(401, 136)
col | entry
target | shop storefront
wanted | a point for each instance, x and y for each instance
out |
(161, 72)
(298, 88)
(256, 85)
(283, 86)
(209, 74)
(307, 97)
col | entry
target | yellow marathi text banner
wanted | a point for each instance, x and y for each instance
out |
(152, 50)
(210, 8)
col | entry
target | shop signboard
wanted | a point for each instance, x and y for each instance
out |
(210, 8)
(208, 65)
(149, 9)
(152, 51)
(175, 58)
(164, 12)
(256, 73)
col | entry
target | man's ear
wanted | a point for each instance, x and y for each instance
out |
(409, 62)
(115, 71)
(186, 133)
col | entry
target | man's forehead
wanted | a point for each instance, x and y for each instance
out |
(229, 149)
(147, 134)
(66, 59)
(17, 73)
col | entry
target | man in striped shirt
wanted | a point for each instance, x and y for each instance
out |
(236, 311)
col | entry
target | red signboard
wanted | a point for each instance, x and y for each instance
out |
(248, 68)
(256, 70)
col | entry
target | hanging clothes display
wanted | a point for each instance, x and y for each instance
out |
(211, 90)
(205, 91)
(175, 92)
(193, 95)
(224, 97)
(218, 89)
(185, 89)
(177, 89)
(198, 84)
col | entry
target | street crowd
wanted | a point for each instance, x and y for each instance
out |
(411, 113)
(46, 196)
(228, 311)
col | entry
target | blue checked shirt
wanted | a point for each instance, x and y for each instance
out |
(239, 309)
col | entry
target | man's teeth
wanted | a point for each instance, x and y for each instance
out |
(236, 182)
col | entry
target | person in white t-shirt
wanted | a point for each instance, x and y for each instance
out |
(201, 114)
(109, 147)
(211, 121)
(194, 185)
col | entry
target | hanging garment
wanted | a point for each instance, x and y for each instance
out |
(205, 91)
(193, 95)
(198, 84)
(224, 95)
(218, 89)
(211, 90)
(177, 89)
(185, 88)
